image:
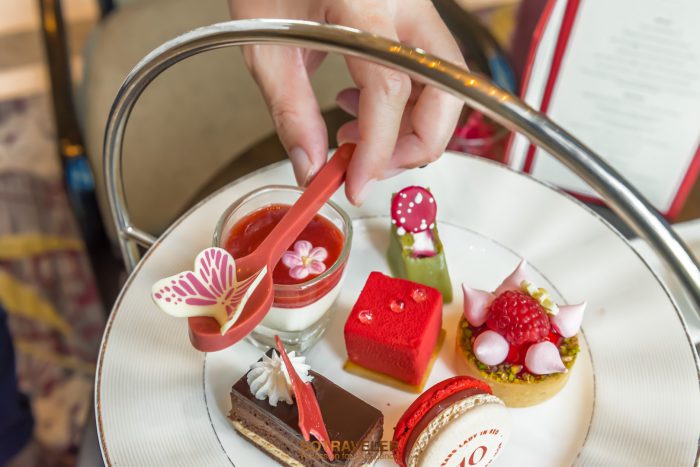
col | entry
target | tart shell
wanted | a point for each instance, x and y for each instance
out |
(516, 393)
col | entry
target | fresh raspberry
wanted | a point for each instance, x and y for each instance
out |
(516, 354)
(553, 337)
(518, 317)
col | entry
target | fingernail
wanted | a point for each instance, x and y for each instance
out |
(362, 196)
(345, 107)
(302, 165)
(392, 172)
(349, 101)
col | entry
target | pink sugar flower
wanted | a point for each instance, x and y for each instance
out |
(305, 260)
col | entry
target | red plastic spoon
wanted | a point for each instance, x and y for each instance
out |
(205, 332)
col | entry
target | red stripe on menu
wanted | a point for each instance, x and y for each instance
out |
(534, 45)
(686, 186)
(572, 7)
(567, 25)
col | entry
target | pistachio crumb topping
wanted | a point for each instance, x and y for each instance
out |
(517, 374)
(541, 295)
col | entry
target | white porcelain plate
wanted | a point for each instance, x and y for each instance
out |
(633, 397)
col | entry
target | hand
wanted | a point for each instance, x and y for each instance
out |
(399, 124)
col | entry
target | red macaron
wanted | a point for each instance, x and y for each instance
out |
(427, 406)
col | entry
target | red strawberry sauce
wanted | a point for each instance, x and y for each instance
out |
(250, 231)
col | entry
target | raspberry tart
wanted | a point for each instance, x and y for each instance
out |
(518, 340)
(415, 250)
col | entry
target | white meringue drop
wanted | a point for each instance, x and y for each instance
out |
(491, 348)
(543, 359)
(476, 303)
(568, 321)
(513, 281)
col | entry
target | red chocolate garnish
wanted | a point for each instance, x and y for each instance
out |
(423, 405)
(413, 209)
(310, 418)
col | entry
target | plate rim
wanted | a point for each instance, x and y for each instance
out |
(480, 160)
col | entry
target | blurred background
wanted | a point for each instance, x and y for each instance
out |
(200, 126)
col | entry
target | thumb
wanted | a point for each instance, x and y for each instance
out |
(284, 81)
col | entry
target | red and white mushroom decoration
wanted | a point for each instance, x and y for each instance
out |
(413, 210)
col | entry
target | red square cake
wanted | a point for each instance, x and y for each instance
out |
(394, 327)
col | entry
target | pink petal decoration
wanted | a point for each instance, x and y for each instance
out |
(318, 254)
(302, 248)
(513, 281)
(299, 272)
(476, 303)
(543, 359)
(316, 267)
(568, 321)
(491, 348)
(210, 290)
(291, 259)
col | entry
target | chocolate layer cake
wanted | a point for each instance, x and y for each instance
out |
(355, 427)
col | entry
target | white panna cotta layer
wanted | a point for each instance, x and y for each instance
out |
(299, 319)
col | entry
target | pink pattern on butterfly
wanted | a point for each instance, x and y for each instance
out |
(210, 290)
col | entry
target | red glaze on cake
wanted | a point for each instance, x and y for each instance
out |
(424, 405)
(394, 327)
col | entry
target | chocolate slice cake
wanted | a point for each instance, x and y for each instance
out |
(355, 427)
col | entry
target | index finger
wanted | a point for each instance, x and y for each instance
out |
(436, 112)
(383, 96)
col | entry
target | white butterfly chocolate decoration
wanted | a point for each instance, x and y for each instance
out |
(211, 290)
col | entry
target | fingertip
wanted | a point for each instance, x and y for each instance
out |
(392, 172)
(294, 109)
(316, 164)
(348, 133)
(301, 164)
(304, 135)
(360, 176)
(357, 195)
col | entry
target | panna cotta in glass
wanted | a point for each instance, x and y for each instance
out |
(308, 277)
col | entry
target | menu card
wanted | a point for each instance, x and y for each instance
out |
(623, 77)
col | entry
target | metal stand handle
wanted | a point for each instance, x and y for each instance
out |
(474, 90)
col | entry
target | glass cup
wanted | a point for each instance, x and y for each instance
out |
(491, 147)
(301, 312)
(478, 135)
